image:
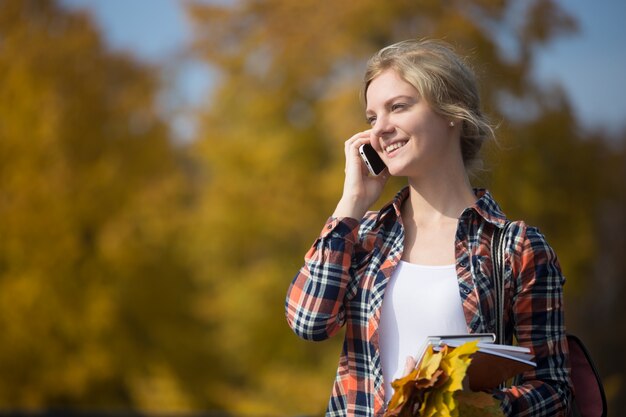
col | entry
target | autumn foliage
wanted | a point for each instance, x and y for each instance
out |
(435, 387)
(140, 273)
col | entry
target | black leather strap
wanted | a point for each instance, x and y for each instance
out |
(497, 259)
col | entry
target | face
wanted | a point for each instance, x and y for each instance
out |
(410, 137)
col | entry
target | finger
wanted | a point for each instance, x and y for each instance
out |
(358, 137)
(409, 365)
(357, 141)
(353, 144)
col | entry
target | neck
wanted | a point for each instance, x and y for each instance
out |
(438, 199)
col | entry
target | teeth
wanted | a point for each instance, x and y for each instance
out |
(394, 146)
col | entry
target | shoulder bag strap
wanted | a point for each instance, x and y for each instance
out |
(497, 260)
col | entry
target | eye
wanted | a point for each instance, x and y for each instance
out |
(398, 106)
(371, 120)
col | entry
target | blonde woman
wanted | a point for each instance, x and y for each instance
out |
(421, 265)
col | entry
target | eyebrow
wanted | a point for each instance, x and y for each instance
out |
(392, 99)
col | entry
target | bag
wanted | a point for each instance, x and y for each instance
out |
(589, 399)
(589, 395)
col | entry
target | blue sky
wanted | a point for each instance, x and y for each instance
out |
(591, 65)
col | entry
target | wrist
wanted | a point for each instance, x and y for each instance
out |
(350, 207)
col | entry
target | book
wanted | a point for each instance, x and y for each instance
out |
(492, 364)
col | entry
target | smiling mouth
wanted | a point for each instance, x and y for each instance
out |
(395, 146)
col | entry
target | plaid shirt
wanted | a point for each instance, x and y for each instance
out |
(343, 280)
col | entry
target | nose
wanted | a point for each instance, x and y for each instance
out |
(382, 127)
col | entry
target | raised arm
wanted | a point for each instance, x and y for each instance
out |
(315, 299)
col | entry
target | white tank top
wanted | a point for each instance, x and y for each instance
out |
(419, 301)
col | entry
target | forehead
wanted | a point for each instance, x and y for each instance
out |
(386, 86)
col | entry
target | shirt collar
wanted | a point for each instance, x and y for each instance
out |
(485, 206)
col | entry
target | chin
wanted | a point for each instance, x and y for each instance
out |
(397, 171)
(394, 172)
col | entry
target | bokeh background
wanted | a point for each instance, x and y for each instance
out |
(164, 166)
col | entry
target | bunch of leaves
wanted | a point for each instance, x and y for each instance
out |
(477, 404)
(434, 388)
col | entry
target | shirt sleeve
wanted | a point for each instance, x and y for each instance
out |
(315, 299)
(538, 322)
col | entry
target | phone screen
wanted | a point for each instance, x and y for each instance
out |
(375, 165)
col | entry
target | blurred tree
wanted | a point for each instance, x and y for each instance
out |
(132, 275)
(271, 146)
(96, 295)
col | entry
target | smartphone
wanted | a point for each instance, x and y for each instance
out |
(374, 164)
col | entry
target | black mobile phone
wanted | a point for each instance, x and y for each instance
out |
(375, 165)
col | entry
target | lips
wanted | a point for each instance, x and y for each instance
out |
(394, 146)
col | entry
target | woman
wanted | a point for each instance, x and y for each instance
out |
(421, 265)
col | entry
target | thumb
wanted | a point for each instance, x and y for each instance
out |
(409, 365)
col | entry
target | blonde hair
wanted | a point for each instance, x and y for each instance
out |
(445, 81)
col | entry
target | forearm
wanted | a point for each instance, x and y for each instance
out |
(315, 299)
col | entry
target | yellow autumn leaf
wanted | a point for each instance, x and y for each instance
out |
(430, 363)
(429, 390)
(478, 404)
(421, 376)
(456, 362)
(436, 405)
(401, 391)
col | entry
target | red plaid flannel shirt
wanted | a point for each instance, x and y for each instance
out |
(343, 281)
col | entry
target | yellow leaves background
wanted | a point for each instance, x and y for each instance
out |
(140, 273)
